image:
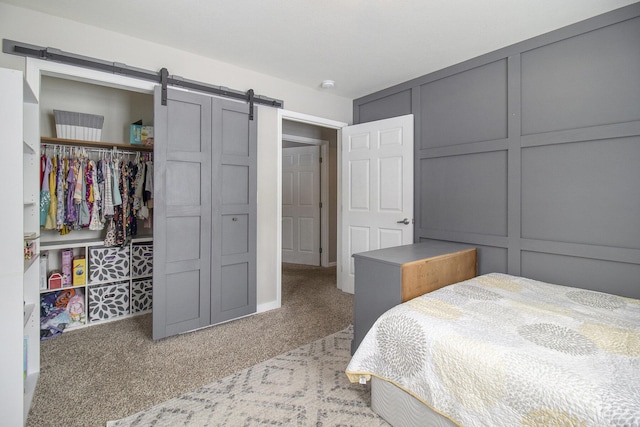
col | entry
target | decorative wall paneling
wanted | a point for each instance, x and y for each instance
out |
(531, 153)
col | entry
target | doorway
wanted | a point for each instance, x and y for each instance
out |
(309, 194)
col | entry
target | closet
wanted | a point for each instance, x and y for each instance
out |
(204, 207)
(203, 240)
(96, 208)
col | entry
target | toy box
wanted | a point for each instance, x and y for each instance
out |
(67, 267)
(79, 271)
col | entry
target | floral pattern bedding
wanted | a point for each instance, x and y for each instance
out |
(502, 350)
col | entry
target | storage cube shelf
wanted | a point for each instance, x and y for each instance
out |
(141, 260)
(141, 291)
(108, 264)
(108, 301)
(118, 281)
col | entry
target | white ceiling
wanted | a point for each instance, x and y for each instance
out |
(364, 45)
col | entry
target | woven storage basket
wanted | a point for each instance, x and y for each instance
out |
(82, 126)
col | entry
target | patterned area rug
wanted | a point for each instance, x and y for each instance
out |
(304, 387)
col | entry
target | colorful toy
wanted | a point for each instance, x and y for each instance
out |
(55, 280)
(75, 307)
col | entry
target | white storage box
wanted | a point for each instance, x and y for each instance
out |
(142, 260)
(82, 126)
(108, 301)
(108, 264)
(141, 295)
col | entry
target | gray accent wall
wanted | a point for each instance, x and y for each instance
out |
(532, 154)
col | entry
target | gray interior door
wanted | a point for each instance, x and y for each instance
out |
(234, 195)
(182, 213)
(204, 213)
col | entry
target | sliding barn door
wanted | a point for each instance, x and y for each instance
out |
(233, 246)
(182, 213)
(204, 212)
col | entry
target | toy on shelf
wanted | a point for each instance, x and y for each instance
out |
(60, 310)
(75, 307)
(55, 280)
(67, 267)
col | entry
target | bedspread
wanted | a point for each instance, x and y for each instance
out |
(501, 350)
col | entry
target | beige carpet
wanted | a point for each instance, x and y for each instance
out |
(110, 371)
(303, 387)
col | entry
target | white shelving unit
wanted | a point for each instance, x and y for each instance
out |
(19, 277)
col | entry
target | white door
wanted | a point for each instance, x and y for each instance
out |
(301, 205)
(376, 189)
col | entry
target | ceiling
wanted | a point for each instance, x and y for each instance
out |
(364, 45)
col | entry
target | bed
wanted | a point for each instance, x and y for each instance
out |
(502, 350)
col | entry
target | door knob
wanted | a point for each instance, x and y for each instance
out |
(404, 221)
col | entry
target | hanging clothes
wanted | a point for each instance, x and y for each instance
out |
(50, 222)
(45, 195)
(83, 209)
(109, 194)
(117, 198)
(96, 223)
(72, 215)
(60, 188)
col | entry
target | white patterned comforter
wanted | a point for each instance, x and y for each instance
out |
(499, 350)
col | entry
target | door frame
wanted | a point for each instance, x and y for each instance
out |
(324, 191)
(316, 121)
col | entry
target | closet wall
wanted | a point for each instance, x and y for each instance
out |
(531, 154)
(119, 107)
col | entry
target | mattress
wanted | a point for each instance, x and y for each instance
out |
(400, 409)
(506, 350)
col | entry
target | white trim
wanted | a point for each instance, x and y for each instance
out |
(317, 121)
(271, 305)
(303, 139)
(37, 67)
(326, 206)
(312, 120)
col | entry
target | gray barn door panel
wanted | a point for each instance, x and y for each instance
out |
(234, 194)
(182, 212)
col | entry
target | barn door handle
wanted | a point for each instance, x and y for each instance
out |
(404, 221)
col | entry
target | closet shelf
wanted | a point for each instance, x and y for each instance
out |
(95, 144)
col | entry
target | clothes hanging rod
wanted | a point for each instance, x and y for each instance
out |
(114, 150)
(162, 77)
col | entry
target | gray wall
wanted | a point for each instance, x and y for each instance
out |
(532, 153)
